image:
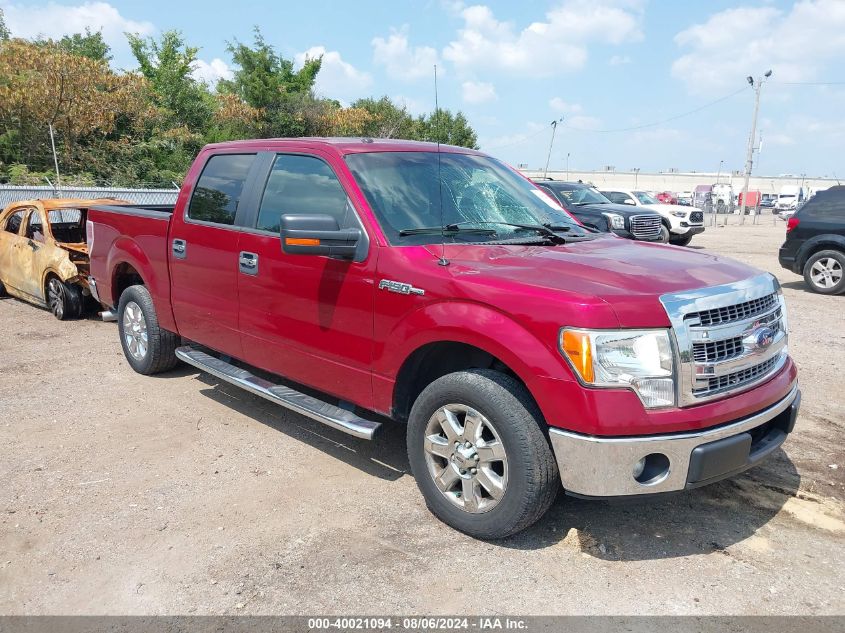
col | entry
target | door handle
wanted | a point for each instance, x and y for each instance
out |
(248, 263)
(180, 249)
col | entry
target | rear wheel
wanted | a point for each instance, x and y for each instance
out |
(148, 348)
(63, 299)
(2, 290)
(824, 272)
(479, 455)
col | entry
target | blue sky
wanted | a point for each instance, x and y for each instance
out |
(513, 67)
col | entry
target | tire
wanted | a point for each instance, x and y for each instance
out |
(64, 300)
(148, 348)
(525, 481)
(824, 272)
(664, 235)
(3, 292)
(681, 241)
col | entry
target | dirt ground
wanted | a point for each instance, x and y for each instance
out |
(121, 494)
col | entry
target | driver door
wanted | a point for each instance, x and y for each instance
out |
(15, 254)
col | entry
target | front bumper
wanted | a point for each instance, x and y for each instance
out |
(604, 466)
(689, 229)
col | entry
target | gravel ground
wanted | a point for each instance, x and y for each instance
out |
(121, 494)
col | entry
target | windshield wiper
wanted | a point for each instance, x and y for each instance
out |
(546, 229)
(449, 229)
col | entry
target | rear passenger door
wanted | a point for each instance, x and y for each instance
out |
(308, 318)
(203, 253)
(12, 251)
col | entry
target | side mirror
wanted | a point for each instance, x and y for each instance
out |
(317, 234)
(629, 201)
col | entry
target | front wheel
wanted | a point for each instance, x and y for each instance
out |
(479, 455)
(683, 240)
(823, 272)
(148, 348)
(64, 300)
(664, 235)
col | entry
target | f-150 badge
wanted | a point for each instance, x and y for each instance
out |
(399, 287)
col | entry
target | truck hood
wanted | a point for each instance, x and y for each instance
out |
(627, 276)
(667, 208)
(625, 210)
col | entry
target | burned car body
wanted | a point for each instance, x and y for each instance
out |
(44, 253)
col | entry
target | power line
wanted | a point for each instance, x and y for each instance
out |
(662, 121)
(810, 83)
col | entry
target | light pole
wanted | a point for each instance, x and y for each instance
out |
(636, 171)
(749, 158)
(567, 165)
(719, 173)
(549, 157)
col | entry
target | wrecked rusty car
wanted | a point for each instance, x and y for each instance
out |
(44, 253)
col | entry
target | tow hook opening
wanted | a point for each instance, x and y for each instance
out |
(651, 469)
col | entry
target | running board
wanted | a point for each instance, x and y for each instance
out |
(308, 406)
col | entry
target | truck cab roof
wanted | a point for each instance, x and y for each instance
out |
(342, 145)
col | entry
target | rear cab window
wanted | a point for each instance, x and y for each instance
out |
(219, 189)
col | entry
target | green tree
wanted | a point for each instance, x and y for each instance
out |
(387, 119)
(443, 127)
(90, 45)
(167, 65)
(4, 30)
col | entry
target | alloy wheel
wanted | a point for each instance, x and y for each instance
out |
(56, 297)
(135, 331)
(826, 272)
(466, 458)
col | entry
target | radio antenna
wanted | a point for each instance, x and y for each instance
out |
(442, 261)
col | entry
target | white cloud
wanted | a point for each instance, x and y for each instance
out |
(55, 20)
(337, 78)
(401, 60)
(737, 42)
(542, 49)
(478, 92)
(211, 72)
(619, 60)
(559, 105)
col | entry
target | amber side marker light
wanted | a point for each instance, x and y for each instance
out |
(578, 349)
(301, 241)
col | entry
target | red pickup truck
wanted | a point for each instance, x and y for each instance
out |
(354, 280)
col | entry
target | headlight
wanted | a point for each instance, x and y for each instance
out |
(616, 220)
(679, 214)
(640, 360)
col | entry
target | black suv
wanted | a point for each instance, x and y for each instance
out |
(815, 242)
(597, 212)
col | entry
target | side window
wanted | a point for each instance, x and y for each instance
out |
(35, 227)
(617, 197)
(302, 184)
(13, 224)
(219, 188)
(827, 205)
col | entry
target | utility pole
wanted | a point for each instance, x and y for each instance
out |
(55, 158)
(749, 158)
(549, 157)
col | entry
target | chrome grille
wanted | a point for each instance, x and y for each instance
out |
(645, 227)
(717, 350)
(696, 216)
(729, 337)
(741, 377)
(737, 312)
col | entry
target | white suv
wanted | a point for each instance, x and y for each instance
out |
(680, 222)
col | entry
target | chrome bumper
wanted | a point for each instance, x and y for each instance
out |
(604, 466)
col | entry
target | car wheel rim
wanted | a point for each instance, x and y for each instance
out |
(56, 297)
(826, 272)
(466, 458)
(135, 331)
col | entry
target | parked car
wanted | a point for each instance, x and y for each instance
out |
(597, 212)
(790, 198)
(815, 242)
(351, 280)
(44, 255)
(679, 223)
(666, 197)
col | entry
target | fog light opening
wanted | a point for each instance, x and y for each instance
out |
(651, 469)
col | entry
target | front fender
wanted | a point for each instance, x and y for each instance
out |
(529, 356)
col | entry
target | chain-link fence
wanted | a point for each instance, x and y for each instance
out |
(13, 193)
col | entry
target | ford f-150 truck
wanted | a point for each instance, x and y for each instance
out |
(354, 280)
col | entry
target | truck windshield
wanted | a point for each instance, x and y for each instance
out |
(645, 198)
(405, 193)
